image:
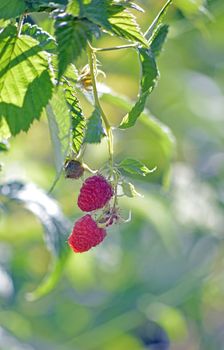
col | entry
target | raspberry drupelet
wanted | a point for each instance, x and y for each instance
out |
(85, 234)
(95, 193)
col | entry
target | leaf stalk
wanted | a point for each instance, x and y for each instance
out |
(20, 24)
(92, 67)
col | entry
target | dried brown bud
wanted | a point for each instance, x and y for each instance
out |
(73, 169)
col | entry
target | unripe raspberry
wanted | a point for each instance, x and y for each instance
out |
(73, 169)
(96, 191)
(85, 234)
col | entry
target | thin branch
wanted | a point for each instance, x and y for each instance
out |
(115, 48)
(20, 24)
(92, 65)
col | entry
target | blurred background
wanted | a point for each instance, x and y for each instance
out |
(156, 282)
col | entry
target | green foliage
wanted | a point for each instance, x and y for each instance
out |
(4, 130)
(135, 167)
(94, 131)
(50, 280)
(159, 39)
(46, 41)
(3, 147)
(157, 264)
(66, 124)
(78, 122)
(159, 136)
(72, 35)
(129, 189)
(11, 8)
(123, 24)
(37, 78)
(112, 17)
(59, 126)
(41, 5)
(56, 226)
(95, 11)
(24, 71)
(149, 77)
(149, 35)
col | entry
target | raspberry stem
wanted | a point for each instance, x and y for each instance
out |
(114, 48)
(92, 67)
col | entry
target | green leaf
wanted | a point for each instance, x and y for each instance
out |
(148, 80)
(124, 25)
(66, 125)
(72, 35)
(159, 137)
(134, 167)
(46, 41)
(130, 4)
(159, 39)
(24, 72)
(50, 280)
(129, 189)
(3, 147)
(42, 5)
(11, 8)
(112, 17)
(4, 130)
(73, 8)
(78, 122)
(59, 126)
(4, 23)
(149, 34)
(95, 11)
(4, 135)
(56, 228)
(95, 131)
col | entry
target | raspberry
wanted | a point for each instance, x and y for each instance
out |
(95, 193)
(85, 234)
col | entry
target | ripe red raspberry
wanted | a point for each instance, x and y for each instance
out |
(85, 234)
(95, 193)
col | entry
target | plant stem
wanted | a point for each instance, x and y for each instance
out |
(92, 67)
(115, 48)
(20, 24)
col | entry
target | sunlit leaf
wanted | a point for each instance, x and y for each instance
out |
(46, 41)
(134, 167)
(129, 189)
(124, 25)
(24, 72)
(72, 35)
(78, 122)
(96, 11)
(4, 130)
(111, 16)
(59, 126)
